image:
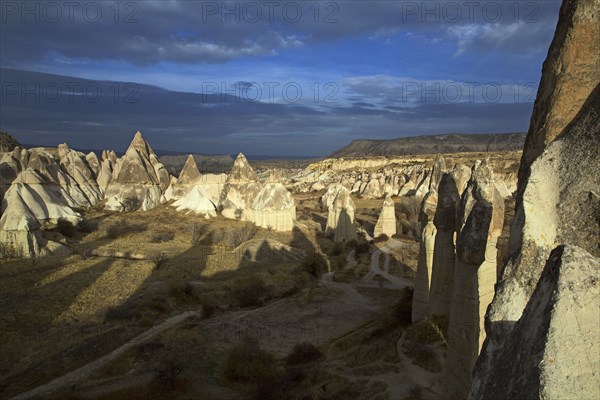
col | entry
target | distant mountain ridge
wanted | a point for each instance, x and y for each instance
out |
(433, 144)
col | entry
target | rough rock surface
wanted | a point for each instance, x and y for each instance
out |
(386, 223)
(138, 180)
(7, 142)
(241, 171)
(340, 216)
(423, 276)
(552, 351)
(556, 203)
(274, 208)
(482, 210)
(196, 202)
(442, 273)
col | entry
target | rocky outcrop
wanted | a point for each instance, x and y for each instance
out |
(241, 171)
(138, 179)
(557, 203)
(7, 142)
(442, 272)
(386, 223)
(340, 215)
(552, 351)
(482, 211)
(274, 208)
(420, 305)
(197, 203)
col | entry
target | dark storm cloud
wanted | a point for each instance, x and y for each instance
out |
(190, 122)
(147, 32)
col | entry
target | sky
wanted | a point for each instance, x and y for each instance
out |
(287, 78)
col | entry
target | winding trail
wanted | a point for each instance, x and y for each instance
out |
(396, 282)
(79, 374)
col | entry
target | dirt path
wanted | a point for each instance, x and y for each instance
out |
(395, 281)
(79, 374)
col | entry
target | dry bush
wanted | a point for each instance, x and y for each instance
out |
(250, 291)
(159, 259)
(314, 264)
(164, 236)
(382, 238)
(198, 231)
(409, 206)
(121, 227)
(9, 250)
(415, 393)
(131, 203)
(303, 353)
(247, 363)
(240, 234)
(66, 228)
(402, 310)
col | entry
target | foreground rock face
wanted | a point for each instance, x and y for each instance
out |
(482, 211)
(386, 223)
(557, 202)
(139, 179)
(552, 351)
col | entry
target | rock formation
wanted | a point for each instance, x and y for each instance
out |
(138, 179)
(241, 171)
(386, 223)
(556, 203)
(552, 351)
(442, 272)
(340, 216)
(420, 304)
(274, 208)
(197, 203)
(482, 211)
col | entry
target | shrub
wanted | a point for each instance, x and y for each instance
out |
(336, 249)
(10, 250)
(87, 226)
(250, 291)
(66, 228)
(182, 292)
(402, 310)
(303, 353)
(382, 238)
(164, 236)
(159, 259)
(197, 232)
(240, 234)
(131, 203)
(314, 264)
(208, 310)
(119, 228)
(247, 363)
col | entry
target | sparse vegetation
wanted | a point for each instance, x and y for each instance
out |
(10, 251)
(159, 259)
(66, 228)
(121, 227)
(303, 353)
(247, 363)
(163, 236)
(240, 234)
(131, 203)
(250, 291)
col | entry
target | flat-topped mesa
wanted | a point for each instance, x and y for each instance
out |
(558, 189)
(480, 221)
(386, 223)
(442, 273)
(139, 179)
(241, 171)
